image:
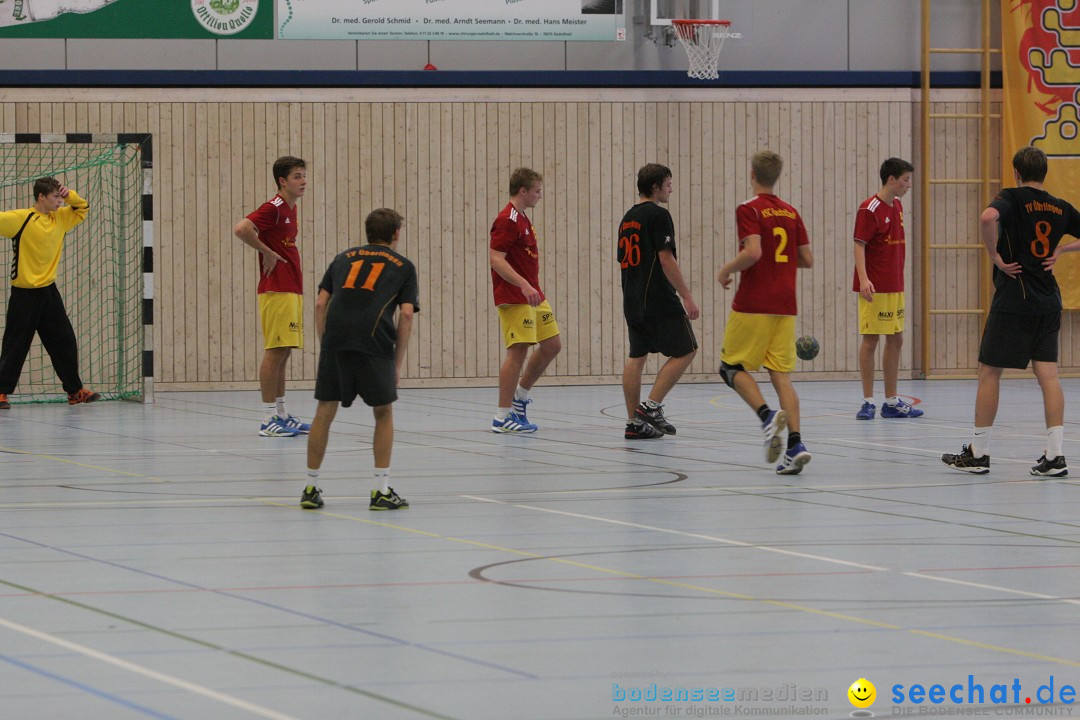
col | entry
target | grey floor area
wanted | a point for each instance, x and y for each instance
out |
(154, 562)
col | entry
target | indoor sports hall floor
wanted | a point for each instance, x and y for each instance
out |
(154, 561)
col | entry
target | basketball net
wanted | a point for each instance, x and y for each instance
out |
(703, 40)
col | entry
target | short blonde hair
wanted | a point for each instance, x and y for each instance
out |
(766, 166)
(523, 179)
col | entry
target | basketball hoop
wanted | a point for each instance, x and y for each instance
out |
(703, 40)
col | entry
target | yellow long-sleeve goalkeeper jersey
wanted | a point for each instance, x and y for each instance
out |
(37, 240)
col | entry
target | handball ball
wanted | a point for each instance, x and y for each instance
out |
(807, 347)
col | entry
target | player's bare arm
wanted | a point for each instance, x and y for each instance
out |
(671, 269)
(500, 265)
(866, 288)
(1074, 246)
(749, 253)
(805, 257)
(246, 231)
(404, 332)
(322, 303)
(988, 226)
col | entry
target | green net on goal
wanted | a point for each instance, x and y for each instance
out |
(100, 272)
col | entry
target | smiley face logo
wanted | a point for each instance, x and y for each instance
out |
(862, 693)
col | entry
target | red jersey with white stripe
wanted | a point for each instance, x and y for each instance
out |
(276, 223)
(881, 227)
(512, 233)
(768, 286)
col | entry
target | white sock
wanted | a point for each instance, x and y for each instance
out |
(312, 474)
(651, 404)
(980, 442)
(521, 393)
(1055, 438)
(501, 413)
(869, 399)
(280, 406)
(382, 475)
(892, 400)
(271, 411)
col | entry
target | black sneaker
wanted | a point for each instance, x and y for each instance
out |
(311, 498)
(387, 501)
(1053, 468)
(641, 430)
(655, 417)
(967, 462)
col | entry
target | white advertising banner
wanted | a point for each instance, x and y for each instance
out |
(602, 20)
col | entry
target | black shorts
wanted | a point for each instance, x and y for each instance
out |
(671, 336)
(344, 375)
(1012, 341)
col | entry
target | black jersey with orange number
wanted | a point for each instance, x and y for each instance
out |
(1030, 228)
(645, 230)
(366, 285)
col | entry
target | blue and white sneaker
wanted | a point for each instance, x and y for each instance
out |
(900, 410)
(276, 427)
(866, 412)
(770, 430)
(513, 423)
(793, 460)
(518, 408)
(294, 422)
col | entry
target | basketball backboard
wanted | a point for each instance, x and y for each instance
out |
(662, 12)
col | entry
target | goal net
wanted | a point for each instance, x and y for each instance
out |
(100, 275)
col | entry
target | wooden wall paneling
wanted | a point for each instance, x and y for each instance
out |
(215, 279)
(445, 165)
(462, 254)
(445, 244)
(193, 302)
(580, 315)
(422, 246)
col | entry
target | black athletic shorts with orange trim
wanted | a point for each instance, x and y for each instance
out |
(343, 375)
(1013, 341)
(672, 337)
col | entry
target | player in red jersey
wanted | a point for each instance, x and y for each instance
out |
(525, 316)
(879, 280)
(272, 230)
(761, 327)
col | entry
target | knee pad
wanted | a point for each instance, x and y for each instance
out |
(728, 373)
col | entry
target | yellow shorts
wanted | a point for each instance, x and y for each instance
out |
(753, 340)
(882, 316)
(527, 324)
(282, 316)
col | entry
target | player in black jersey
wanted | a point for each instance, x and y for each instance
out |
(657, 319)
(361, 346)
(1022, 230)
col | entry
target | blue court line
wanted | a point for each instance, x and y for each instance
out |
(87, 689)
(280, 608)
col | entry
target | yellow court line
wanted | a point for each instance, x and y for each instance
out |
(699, 588)
(79, 464)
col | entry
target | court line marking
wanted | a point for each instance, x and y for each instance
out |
(682, 533)
(775, 603)
(1014, 591)
(227, 651)
(54, 458)
(147, 672)
(89, 689)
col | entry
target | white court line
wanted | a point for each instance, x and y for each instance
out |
(1041, 596)
(147, 672)
(739, 543)
(922, 451)
(697, 536)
